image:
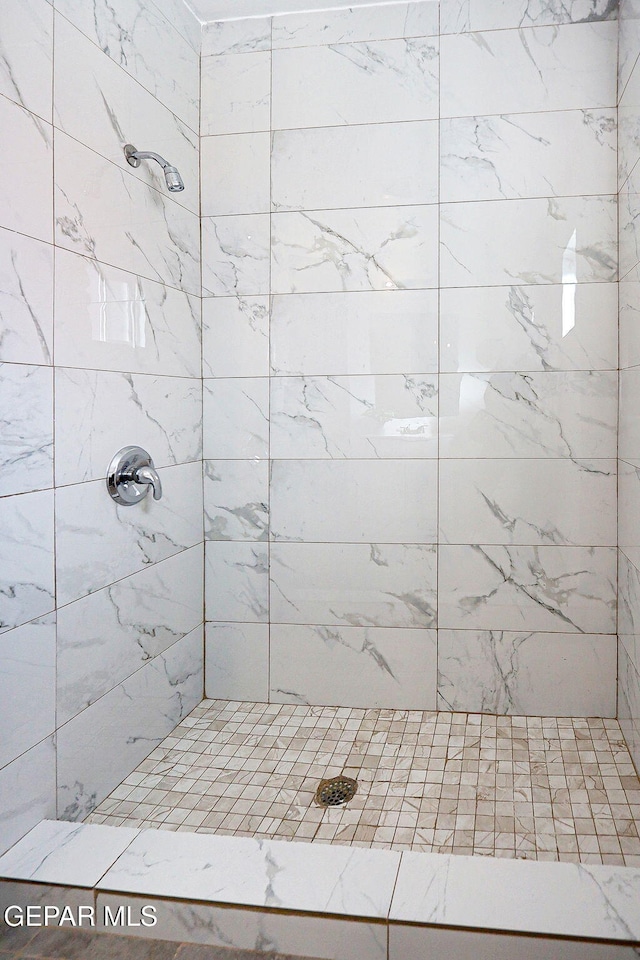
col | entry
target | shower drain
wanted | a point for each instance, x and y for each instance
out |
(336, 791)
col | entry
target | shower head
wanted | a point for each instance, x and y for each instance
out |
(173, 178)
(174, 181)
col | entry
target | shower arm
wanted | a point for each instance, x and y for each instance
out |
(135, 156)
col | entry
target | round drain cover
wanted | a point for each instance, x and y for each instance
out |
(336, 791)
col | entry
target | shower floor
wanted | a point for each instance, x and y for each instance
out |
(528, 787)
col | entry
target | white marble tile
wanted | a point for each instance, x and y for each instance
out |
(109, 108)
(527, 674)
(629, 704)
(21, 894)
(99, 542)
(26, 54)
(461, 16)
(528, 501)
(98, 413)
(548, 588)
(235, 174)
(26, 299)
(353, 666)
(374, 82)
(528, 155)
(390, 331)
(248, 35)
(236, 499)
(629, 320)
(368, 249)
(246, 105)
(236, 581)
(237, 661)
(235, 255)
(66, 853)
(104, 638)
(628, 48)
(513, 71)
(365, 416)
(629, 430)
(108, 319)
(26, 428)
(519, 415)
(406, 940)
(345, 881)
(354, 501)
(26, 558)
(27, 791)
(629, 608)
(104, 743)
(537, 327)
(27, 686)
(294, 934)
(354, 584)
(629, 231)
(356, 24)
(629, 509)
(104, 212)
(26, 186)
(569, 240)
(629, 122)
(564, 899)
(373, 165)
(136, 36)
(235, 337)
(181, 16)
(236, 418)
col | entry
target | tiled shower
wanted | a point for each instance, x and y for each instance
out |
(399, 441)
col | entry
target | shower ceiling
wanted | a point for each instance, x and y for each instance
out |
(207, 10)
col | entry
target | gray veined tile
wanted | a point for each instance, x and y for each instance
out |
(354, 584)
(237, 661)
(236, 499)
(26, 188)
(536, 327)
(356, 24)
(109, 319)
(235, 255)
(26, 421)
(534, 501)
(556, 240)
(629, 290)
(527, 673)
(246, 107)
(235, 336)
(561, 67)
(353, 666)
(461, 16)
(26, 54)
(103, 744)
(98, 413)
(235, 174)
(383, 248)
(104, 638)
(547, 588)
(26, 299)
(237, 581)
(371, 82)
(349, 501)
(629, 703)
(528, 155)
(371, 332)
(99, 542)
(355, 166)
(367, 417)
(629, 509)
(629, 608)
(26, 558)
(248, 35)
(236, 418)
(548, 414)
(27, 791)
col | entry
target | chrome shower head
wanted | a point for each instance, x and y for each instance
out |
(174, 181)
(173, 178)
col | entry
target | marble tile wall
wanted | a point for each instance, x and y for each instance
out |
(100, 345)
(410, 355)
(629, 440)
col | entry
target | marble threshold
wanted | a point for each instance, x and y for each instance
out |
(322, 900)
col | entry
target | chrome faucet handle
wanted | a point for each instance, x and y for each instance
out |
(148, 474)
(130, 475)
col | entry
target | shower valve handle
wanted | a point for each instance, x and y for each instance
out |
(131, 475)
(149, 475)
